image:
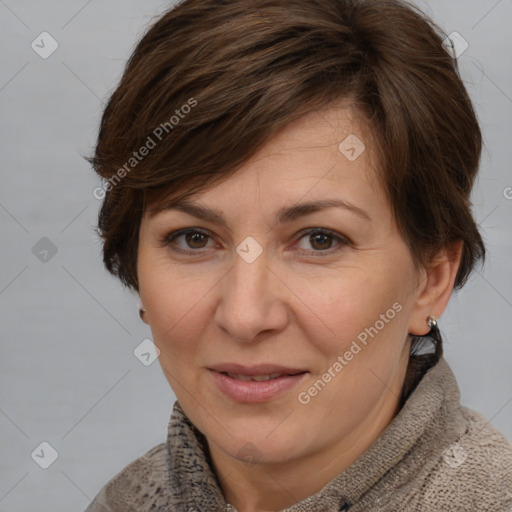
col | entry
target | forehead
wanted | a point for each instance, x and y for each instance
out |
(320, 128)
(322, 153)
(337, 136)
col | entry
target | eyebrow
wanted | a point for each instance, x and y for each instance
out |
(283, 215)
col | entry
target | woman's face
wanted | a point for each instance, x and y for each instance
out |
(267, 283)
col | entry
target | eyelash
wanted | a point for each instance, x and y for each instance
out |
(343, 241)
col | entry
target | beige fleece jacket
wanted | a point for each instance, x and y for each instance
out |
(434, 456)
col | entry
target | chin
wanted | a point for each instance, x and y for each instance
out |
(252, 452)
(258, 445)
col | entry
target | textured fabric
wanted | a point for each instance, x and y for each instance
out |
(434, 456)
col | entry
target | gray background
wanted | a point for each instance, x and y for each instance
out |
(68, 329)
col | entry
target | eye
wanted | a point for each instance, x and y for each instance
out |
(193, 238)
(322, 241)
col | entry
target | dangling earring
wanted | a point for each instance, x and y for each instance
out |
(141, 310)
(435, 335)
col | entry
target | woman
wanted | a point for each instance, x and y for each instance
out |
(287, 188)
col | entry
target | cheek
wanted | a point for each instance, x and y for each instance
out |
(351, 304)
(177, 304)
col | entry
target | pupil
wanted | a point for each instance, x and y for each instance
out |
(193, 238)
(319, 237)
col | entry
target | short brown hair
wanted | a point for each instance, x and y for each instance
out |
(250, 67)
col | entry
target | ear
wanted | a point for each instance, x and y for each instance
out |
(435, 288)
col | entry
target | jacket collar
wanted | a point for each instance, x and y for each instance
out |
(415, 439)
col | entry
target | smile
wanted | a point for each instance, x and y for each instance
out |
(254, 388)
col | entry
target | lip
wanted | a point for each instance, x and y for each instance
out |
(255, 392)
(259, 369)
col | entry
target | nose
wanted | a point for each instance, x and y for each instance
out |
(252, 300)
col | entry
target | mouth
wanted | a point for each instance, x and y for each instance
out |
(259, 378)
(255, 385)
(257, 370)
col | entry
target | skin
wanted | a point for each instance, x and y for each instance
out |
(300, 304)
